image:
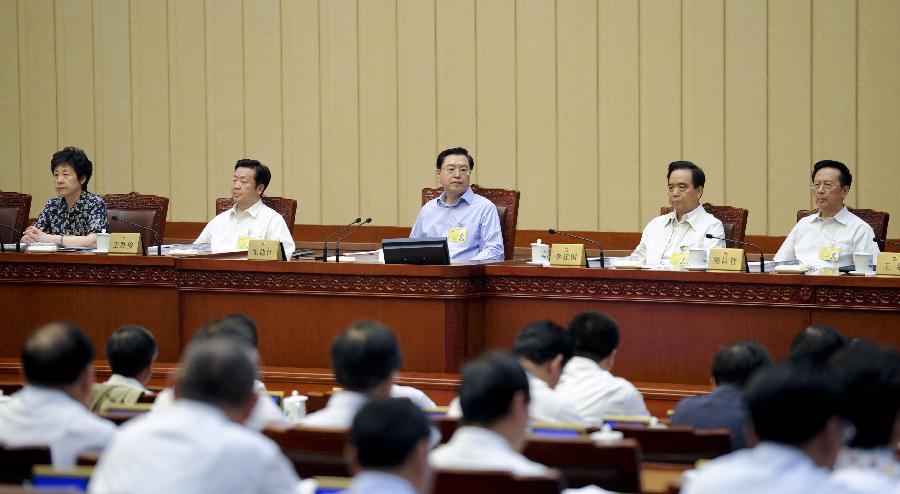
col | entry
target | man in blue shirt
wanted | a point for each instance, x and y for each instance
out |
(469, 221)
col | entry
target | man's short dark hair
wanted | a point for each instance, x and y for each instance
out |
(736, 362)
(594, 335)
(130, 350)
(542, 341)
(698, 178)
(386, 431)
(261, 176)
(365, 354)
(846, 176)
(815, 344)
(56, 354)
(219, 371)
(489, 384)
(791, 403)
(79, 162)
(447, 152)
(237, 326)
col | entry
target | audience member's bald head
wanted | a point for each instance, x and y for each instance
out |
(237, 326)
(815, 344)
(56, 355)
(365, 356)
(218, 371)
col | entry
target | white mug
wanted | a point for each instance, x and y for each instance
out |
(103, 242)
(697, 258)
(862, 262)
(540, 253)
(295, 407)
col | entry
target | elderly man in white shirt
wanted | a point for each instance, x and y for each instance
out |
(586, 380)
(50, 410)
(833, 233)
(249, 219)
(687, 225)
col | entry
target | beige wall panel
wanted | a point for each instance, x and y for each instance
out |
(150, 96)
(745, 110)
(37, 89)
(224, 96)
(456, 124)
(618, 89)
(879, 108)
(112, 97)
(416, 104)
(300, 73)
(703, 90)
(75, 75)
(536, 113)
(187, 111)
(11, 178)
(790, 136)
(576, 66)
(660, 99)
(263, 128)
(340, 110)
(834, 84)
(496, 92)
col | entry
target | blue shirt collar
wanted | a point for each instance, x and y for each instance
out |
(467, 196)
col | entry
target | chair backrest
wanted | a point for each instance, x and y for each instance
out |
(446, 426)
(14, 210)
(507, 203)
(317, 400)
(491, 482)
(144, 209)
(878, 220)
(16, 463)
(733, 219)
(313, 451)
(679, 444)
(614, 466)
(284, 206)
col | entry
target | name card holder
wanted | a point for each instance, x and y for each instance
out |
(568, 255)
(725, 260)
(888, 264)
(128, 244)
(265, 250)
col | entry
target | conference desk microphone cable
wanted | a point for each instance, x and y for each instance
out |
(332, 234)
(155, 233)
(337, 245)
(18, 238)
(553, 231)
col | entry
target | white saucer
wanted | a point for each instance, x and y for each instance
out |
(861, 273)
(98, 251)
(536, 263)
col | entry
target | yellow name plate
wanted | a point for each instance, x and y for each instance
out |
(888, 264)
(567, 255)
(125, 243)
(725, 260)
(264, 250)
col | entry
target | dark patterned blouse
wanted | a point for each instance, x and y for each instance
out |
(88, 216)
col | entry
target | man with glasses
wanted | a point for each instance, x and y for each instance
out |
(833, 233)
(469, 221)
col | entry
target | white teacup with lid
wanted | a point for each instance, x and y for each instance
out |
(540, 252)
(295, 406)
(102, 242)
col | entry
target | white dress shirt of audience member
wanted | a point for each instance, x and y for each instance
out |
(50, 409)
(832, 226)
(130, 351)
(199, 444)
(687, 225)
(870, 400)
(587, 382)
(250, 218)
(796, 432)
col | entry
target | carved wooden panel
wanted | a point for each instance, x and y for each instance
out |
(88, 274)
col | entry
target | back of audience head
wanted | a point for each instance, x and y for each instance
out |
(797, 405)
(365, 357)
(131, 351)
(545, 345)
(735, 363)
(391, 435)
(815, 344)
(594, 336)
(219, 371)
(494, 393)
(59, 355)
(236, 326)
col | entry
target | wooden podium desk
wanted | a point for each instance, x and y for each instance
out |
(671, 322)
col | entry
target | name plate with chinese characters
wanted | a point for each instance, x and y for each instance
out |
(725, 260)
(264, 250)
(125, 243)
(568, 255)
(888, 264)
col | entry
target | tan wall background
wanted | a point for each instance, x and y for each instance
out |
(580, 104)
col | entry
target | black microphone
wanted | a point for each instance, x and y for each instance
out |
(332, 234)
(155, 233)
(554, 231)
(337, 246)
(762, 259)
(18, 238)
(876, 239)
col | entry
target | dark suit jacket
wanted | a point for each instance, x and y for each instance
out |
(724, 408)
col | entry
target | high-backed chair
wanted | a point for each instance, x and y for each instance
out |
(313, 451)
(614, 466)
(144, 209)
(507, 202)
(284, 206)
(490, 482)
(733, 219)
(878, 220)
(679, 444)
(14, 209)
(16, 463)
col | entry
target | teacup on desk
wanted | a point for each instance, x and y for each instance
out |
(862, 262)
(102, 243)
